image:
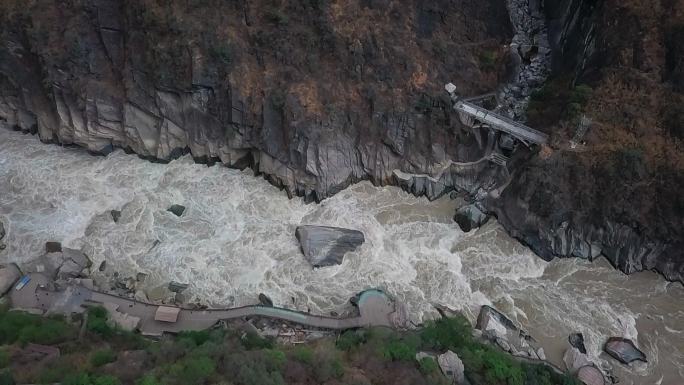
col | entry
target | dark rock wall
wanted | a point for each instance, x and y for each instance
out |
(619, 193)
(315, 95)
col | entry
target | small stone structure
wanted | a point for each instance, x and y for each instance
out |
(167, 314)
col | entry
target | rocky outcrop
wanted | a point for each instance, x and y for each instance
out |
(68, 263)
(9, 275)
(470, 217)
(326, 246)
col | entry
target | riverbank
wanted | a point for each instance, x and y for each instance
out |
(90, 349)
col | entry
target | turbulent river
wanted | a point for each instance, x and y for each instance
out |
(236, 239)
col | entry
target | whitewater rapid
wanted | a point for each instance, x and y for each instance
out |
(236, 240)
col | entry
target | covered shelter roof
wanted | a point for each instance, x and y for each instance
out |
(167, 314)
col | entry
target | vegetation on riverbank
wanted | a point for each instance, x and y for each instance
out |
(107, 356)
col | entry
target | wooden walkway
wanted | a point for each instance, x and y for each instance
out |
(375, 309)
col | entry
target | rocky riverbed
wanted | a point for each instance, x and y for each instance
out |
(236, 239)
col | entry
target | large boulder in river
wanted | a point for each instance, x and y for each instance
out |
(470, 217)
(623, 350)
(176, 210)
(326, 246)
(9, 274)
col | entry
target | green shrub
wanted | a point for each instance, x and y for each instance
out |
(102, 357)
(197, 337)
(29, 328)
(77, 379)
(252, 341)
(4, 358)
(193, 370)
(448, 333)
(304, 355)
(274, 360)
(6, 377)
(428, 365)
(351, 339)
(97, 322)
(148, 380)
(105, 380)
(398, 350)
(250, 368)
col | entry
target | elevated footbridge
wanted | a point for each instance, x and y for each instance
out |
(473, 115)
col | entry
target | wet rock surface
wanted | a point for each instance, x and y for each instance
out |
(470, 217)
(176, 210)
(577, 341)
(623, 350)
(326, 246)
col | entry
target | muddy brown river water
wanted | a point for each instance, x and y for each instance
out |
(236, 239)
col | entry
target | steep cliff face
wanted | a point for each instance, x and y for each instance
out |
(617, 190)
(315, 95)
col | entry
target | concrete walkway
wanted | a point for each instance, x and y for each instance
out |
(469, 113)
(375, 309)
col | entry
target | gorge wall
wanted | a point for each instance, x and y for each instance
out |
(316, 95)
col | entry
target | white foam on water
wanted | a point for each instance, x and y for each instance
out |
(236, 240)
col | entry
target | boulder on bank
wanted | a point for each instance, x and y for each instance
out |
(623, 350)
(452, 367)
(470, 217)
(493, 320)
(177, 210)
(116, 215)
(326, 246)
(574, 360)
(68, 263)
(9, 275)
(265, 300)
